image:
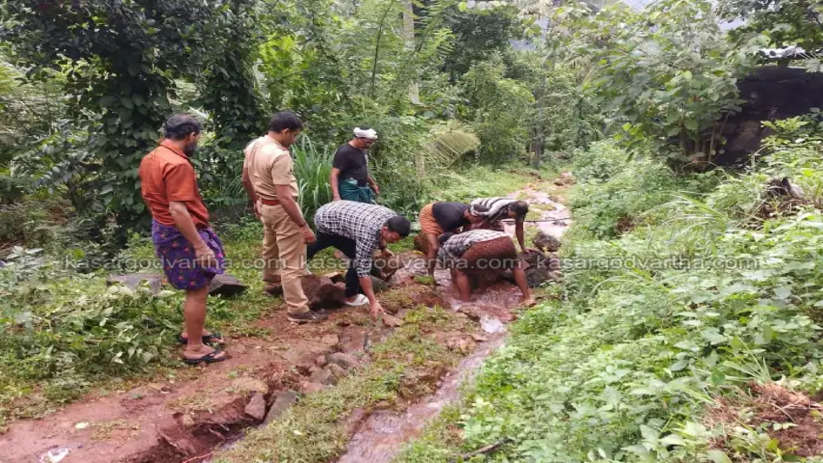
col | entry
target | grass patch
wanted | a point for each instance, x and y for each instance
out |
(314, 429)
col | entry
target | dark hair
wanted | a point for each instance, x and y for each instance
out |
(285, 120)
(400, 225)
(180, 126)
(520, 208)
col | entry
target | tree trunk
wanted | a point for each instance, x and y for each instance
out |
(408, 33)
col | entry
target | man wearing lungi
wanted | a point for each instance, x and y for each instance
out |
(189, 249)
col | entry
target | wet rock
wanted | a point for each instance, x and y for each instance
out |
(133, 280)
(282, 402)
(321, 360)
(322, 292)
(491, 325)
(256, 408)
(344, 360)
(546, 242)
(336, 371)
(226, 285)
(309, 387)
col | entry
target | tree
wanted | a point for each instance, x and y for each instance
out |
(785, 22)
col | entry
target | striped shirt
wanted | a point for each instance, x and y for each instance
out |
(455, 246)
(492, 209)
(360, 222)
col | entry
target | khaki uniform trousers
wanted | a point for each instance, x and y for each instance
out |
(284, 253)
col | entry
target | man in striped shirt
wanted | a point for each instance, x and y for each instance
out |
(358, 230)
(495, 210)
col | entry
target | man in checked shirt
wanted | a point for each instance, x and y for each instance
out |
(358, 230)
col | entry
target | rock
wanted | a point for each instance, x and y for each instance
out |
(491, 325)
(321, 360)
(323, 376)
(283, 400)
(187, 420)
(133, 280)
(330, 340)
(479, 338)
(226, 285)
(81, 425)
(336, 371)
(391, 321)
(245, 385)
(346, 361)
(460, 344)
(378, 285)
(309, 387)
(545, 242)
(322, 292)
(256, 408)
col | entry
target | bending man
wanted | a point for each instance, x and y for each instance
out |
(494, 210)
(358, 230)
(477, 253)
(443, 217)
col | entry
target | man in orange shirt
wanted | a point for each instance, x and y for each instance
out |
(191, 252)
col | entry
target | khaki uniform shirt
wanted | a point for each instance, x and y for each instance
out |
(269, 164)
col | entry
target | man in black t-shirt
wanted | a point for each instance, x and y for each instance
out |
(350, 179)
(442, 217)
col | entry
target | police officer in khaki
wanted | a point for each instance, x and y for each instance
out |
(268, 176)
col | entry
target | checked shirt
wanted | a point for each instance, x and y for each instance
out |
(360, 222)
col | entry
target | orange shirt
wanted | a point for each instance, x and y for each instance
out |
(166, 174)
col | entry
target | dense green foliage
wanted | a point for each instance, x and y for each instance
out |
(704, 297)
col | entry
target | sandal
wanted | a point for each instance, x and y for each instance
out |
(211, 357)
(213, 337)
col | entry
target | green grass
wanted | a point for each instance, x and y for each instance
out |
(624, 361)
(314, 429)
(480, 182)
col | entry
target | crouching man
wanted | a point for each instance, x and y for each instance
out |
(358, 230)
(484, 253)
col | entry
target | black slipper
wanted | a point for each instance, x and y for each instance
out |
(213, 337)
(211, 357)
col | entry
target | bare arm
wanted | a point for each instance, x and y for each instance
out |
(247, 185)
(373, 185)
(333, 181)
(431, 252)
(374, 304)
(184, 223)
(518, 231)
